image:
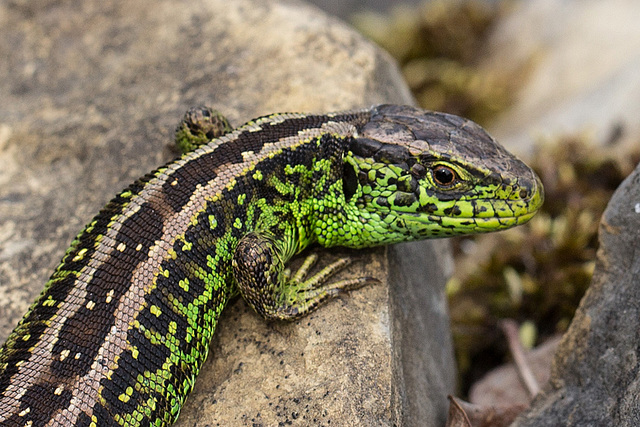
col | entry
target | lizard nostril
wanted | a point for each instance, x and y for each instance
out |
(524, 193)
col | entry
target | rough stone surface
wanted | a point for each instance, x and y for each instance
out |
(92, 92)
(416, 331)
(595, 379)
(583, 58)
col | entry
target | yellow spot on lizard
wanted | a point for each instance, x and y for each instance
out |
(110, 295)
(80, 254)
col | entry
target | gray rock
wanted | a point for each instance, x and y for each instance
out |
(92, 92)
(595, 379)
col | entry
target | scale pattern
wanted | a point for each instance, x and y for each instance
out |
(120, 331)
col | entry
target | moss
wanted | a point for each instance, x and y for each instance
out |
(538, 272)
(439, 46)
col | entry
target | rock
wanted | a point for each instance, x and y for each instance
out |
(581, 59)
(595, 378)
(92, 92)
(502, 386)
(418, 318)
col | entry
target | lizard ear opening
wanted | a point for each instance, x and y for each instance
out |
(349, 180)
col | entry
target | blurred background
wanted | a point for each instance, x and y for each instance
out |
(556, 82)
(346, 8)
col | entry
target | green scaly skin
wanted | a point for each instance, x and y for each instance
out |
(123, 326)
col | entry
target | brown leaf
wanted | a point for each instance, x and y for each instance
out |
(457, 417)
(465, 414)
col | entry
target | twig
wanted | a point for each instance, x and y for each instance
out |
(510, 329)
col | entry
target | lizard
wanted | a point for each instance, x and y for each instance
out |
(122, 327)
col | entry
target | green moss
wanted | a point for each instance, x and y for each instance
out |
(539, 272)
(439, 46)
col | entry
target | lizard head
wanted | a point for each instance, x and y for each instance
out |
(412, 174)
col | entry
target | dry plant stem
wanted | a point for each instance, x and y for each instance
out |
(510, 329)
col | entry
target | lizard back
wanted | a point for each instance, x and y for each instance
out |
(141, 288)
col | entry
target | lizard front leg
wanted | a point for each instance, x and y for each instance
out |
(267, 285)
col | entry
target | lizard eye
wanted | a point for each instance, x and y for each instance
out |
(444, 176)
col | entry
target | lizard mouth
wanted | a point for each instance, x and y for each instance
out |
(495, 211)
(482, 217)
(434, 225)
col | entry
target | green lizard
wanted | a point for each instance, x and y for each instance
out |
(124, 324)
